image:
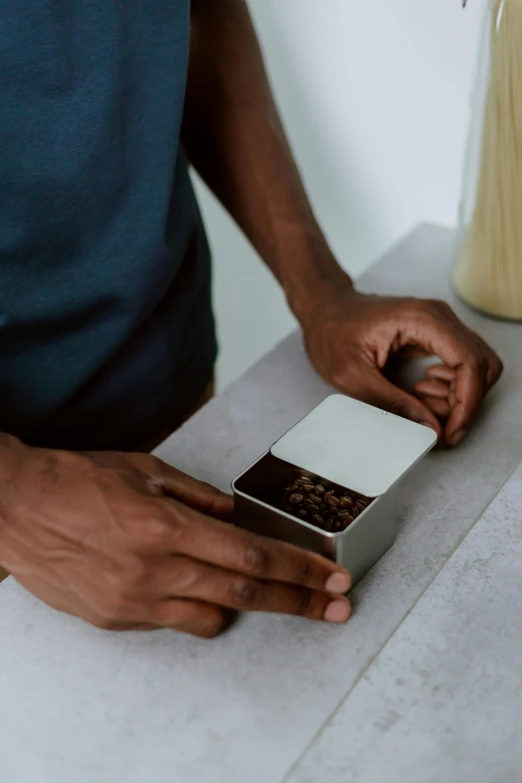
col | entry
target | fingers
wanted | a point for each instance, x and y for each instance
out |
(185, 615)
(469, 390)
(495, 370)
(193, 617)
(440, 372)
(493, 362)
(476, 367)
(454, 395)
(189, 578)
(383, 394)
(435, 393)
(459, 352)
(441, 408)
(231, 548)
(432, 388)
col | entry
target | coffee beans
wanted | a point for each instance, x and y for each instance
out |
(332, 509)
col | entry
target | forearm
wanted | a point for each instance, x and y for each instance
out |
(234, 138)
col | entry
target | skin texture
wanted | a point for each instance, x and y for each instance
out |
(235, 139)
(123, 541)
(354, 338)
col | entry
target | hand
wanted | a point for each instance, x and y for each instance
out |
(125, 541)
(351, 338)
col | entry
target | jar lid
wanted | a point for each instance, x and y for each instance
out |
(355, 445)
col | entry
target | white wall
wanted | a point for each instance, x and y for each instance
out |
(375, 98)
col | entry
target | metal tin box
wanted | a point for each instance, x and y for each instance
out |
(345, 442)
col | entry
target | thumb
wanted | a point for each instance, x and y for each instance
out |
(198, 494)
(383, 394)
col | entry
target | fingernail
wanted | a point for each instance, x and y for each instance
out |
(455, 440)
(337, 612)
(338, 583)
(428, 424)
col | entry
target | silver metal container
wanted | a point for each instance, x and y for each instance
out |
(345, 442)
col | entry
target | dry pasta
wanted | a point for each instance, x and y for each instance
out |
(488, 272)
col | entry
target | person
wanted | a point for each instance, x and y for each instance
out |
(107, 336)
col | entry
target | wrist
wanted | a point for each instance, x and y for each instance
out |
(322, 280)
(12, 452)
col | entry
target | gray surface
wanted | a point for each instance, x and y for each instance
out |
(81, 705)
(443, 701)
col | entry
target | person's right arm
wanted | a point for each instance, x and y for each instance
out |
(124, 541)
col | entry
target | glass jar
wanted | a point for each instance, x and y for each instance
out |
(488, 271)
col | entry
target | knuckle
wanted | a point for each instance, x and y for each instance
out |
(441, 305)
(160, 529)
(245, 592)
(476, 362)
(142, 460)
(187, 574)
(256, 559)
(426, 308)
(157, 470)
(415, 304)
(153, 530)
(305, 572)
(138, 577)
(119, 603)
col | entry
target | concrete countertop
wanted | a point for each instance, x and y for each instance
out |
(281, 698)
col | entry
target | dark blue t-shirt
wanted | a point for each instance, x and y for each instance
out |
(106, 329)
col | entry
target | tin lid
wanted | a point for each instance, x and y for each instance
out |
(355, 445)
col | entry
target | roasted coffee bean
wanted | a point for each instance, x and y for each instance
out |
(331, 509)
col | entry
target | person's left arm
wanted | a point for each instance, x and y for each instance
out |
(234, 138)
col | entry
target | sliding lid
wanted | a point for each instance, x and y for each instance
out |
(355, 445)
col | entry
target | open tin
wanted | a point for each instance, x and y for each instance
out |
(342, 442)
